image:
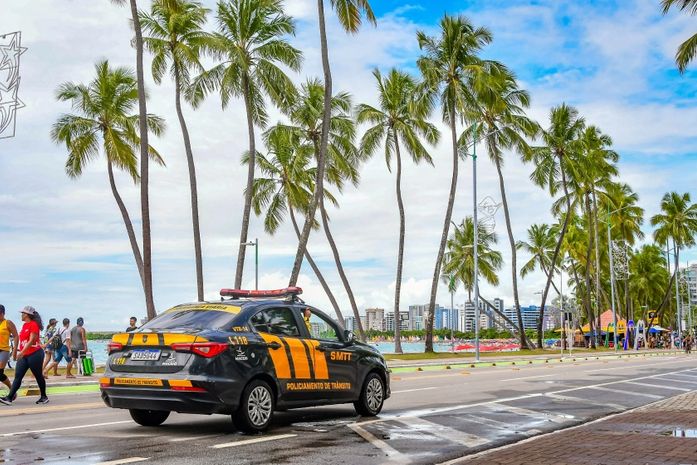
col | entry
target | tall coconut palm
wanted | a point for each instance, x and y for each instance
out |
(285, 186)
(350, 14)
(144, 160)
(540, 247)
(342, 157)
(551, 160)
(104, 122)
(688, 49)
(499, 116)
(174, 30)
(648, 277)
(677, 222)
(251, 46)
(450, 65)
(401, 117)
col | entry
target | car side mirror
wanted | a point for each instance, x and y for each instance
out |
(349, 337)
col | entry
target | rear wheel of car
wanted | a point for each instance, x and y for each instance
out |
(149, 417)
(372, 396)
(256, 408)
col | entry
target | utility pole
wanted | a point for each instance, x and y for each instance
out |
(476, 244)
(612, 281)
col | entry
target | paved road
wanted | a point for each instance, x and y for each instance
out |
(433, 417)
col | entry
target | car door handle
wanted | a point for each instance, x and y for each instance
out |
(273, 345)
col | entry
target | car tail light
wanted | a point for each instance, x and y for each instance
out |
(114, 347)
(204, 349)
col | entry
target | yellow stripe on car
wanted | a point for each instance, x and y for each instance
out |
(321, 370)
(300, 361)
(278, 356)
(179, 383)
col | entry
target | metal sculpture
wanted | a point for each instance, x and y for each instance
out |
(10, 51)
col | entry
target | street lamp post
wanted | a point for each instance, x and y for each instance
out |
(256, 260)
(452, 313)
(612, 282)
(476, 244)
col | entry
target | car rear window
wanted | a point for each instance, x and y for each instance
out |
(194, 317)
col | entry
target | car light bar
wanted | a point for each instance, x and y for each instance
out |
(240, 293)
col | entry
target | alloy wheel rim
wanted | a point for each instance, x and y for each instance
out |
(374, 394)
(259, 406)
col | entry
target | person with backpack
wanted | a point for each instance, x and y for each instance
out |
(61, 349)
(29, 357)
(48, 348)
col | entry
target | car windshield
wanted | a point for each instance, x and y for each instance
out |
(193, 317)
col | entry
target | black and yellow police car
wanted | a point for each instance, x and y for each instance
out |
(249, 354)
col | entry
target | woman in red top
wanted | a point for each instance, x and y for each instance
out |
(30, 356)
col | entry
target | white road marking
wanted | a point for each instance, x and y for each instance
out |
(413, 390)
(121, 461)
(253, 441)
(65, 428)
(487, 422)
(674, 380)
(193, 438)
(391, 452)
(533, 414)
(674, 388)
(445, 432)
(685, 375)
(527, 377)
(631, 393)
(581, 400)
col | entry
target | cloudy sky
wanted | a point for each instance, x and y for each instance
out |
(63, 246)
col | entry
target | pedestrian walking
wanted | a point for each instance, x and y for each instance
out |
(30, 355)
(78, 343)
(7, 329)
(61, 349)
(48, 348)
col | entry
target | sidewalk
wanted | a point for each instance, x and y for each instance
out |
(663, 433)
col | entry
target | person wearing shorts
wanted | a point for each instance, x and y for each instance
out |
(7, 329)
(78, 342)
(48, 348)
(63, 353)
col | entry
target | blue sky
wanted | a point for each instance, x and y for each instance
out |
(62, 244)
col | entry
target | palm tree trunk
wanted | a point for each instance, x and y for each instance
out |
(557, 248)
(400, 251)
(514, 262)
(587, 273)
(126, 221)
(443, 238)
(144, 173)
(242, 248)
(556, 289)
(340, 269)
(318, 273)
(322, 154)
(192, 185)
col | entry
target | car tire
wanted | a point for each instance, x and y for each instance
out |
(149, 417)
(256, 408)
(372, 396)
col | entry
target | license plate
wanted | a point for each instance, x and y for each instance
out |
(146, 355)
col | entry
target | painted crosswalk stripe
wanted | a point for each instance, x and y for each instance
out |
(122, 461)
(445, 432)
(65, 428)
(531, 413)
(674, 388)
(674, 380)
(631, 393)
(253, 441)
(394, 454)
(581, 400)
(413, 390)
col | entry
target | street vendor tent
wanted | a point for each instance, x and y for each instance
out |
(606, 325)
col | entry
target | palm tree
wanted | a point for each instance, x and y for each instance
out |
(342, 156)
(250, 44)
(677, 222)
(560, 141)
(144, 159)
(450, 66)
(401, 117)
(540, 247)
(648, 276)
(175, 36)
(103, 119)
(500, 116)
(459, 259)
(688, 49)
(350, 13)
(286, 186)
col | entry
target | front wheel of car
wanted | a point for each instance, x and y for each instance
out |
(372, 396)
(256, 408)
(149, 417)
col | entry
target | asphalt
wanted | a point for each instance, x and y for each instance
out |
(433, 416)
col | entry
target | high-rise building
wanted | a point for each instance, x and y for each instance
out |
(390, 324)
(467, 316)
(417, 316)
(530, 316)
(375, 319)
(350, 323)
(690, 275)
